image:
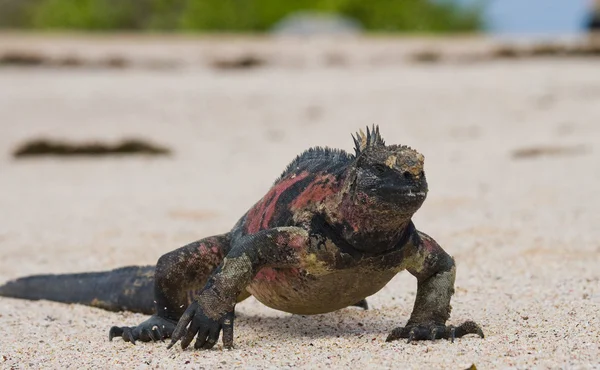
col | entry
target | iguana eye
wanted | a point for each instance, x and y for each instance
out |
(379, 168)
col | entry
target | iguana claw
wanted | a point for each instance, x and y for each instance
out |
(432, 332)
(154, 329)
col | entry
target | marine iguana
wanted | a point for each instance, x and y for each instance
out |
(333, 229)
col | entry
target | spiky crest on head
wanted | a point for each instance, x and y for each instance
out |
(363, 141)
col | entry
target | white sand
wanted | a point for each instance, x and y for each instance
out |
(524, 231)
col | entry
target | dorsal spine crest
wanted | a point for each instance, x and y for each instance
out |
(363, 141)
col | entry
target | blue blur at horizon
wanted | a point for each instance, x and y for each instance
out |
(543, 18)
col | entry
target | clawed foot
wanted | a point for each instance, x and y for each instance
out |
(195, 321)
(432, 332)
(154, 329)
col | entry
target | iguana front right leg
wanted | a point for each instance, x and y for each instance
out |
(213, 310)
(179, 276)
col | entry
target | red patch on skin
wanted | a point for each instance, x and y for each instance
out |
(429, 244)
(281, 239)
(260, 215)
(209, 252)
(316, 191)
(292, 240)
(358, 217)
(266, 274)
(297, 242)
(270, 274)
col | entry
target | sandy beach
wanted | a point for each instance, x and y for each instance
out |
(512, 152)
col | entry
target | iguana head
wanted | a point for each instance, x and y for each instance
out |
(391, 176)
(383, 188)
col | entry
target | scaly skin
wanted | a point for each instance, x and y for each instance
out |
(334, 229)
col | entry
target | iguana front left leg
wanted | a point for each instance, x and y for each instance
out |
(435, 272)
(213, 310)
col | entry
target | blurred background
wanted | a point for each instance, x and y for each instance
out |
(540, 17)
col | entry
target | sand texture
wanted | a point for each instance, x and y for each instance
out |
(512, 152)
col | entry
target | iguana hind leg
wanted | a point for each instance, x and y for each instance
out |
(179, 276)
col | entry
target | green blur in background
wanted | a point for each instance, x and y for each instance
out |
(420, 16)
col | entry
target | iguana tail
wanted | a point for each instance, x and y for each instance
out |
(124, 289)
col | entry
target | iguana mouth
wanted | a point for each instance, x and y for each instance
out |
(403, 192)
(415, 194)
